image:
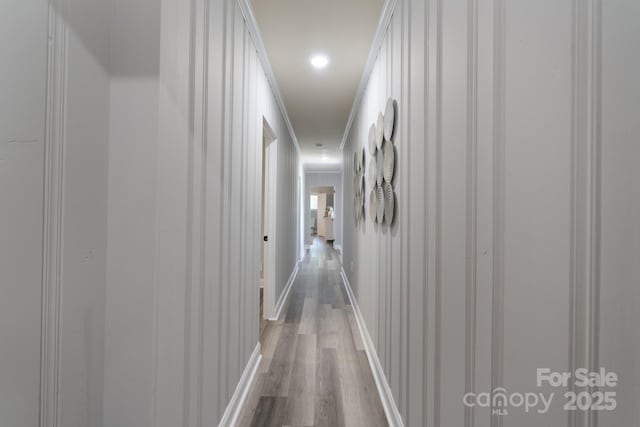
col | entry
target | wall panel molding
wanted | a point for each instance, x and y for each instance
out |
(434, 386)
(254, 32)
(499, 99)
(378, 39)
(585, 193)
(472, 206)
(53, 214)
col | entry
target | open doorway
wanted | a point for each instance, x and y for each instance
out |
(267, 258)
(322, 213)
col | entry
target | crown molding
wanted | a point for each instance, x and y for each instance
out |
(380, 34)
(254, 32)
(323, 171)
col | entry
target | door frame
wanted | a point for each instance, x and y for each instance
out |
(268, 218)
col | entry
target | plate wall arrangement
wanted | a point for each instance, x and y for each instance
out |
(381, 168)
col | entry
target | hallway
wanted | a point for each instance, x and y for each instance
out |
(314, 370)
(429, 205)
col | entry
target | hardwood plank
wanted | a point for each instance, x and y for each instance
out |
(329, 409)
(270, 412)
(309, 318)
(314, 370)
(300, 404)
(276, 380)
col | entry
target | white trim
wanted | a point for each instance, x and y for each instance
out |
(254, 32)
(308, 169)
(53, 224)
(232, 413)
(284, 296)
(380, 34)
(388, 403)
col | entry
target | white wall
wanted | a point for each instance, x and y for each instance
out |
(324, 179)
(147, 136)
(515, 204)
(85, 213)
(213, 97)
(22, 150)
(130, 293)
(55, 92)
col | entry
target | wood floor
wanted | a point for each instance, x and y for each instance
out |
(314, 370)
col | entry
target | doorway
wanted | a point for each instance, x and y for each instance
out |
(322, 213)
(269, 222)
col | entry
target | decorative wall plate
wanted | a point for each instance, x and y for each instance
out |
(355, 209)
(389, 119)
(362, 186)
(379, 204)
(389, 203)
(373, 205)
(355, 183)
(371, 172)
(388, 163)
(379, 167)
(379, 131)
(372, 140)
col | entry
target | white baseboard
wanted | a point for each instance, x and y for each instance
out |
(388, 403)
(284, 296)
(232, 413)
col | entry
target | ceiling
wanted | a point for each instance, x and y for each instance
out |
(318, 101)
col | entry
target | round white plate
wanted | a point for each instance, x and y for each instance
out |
(379, 131)
(379, 205)
(389, 119)
(389, 203)
(388, 163)
(379, 167)
(372, 140)
(373, 205)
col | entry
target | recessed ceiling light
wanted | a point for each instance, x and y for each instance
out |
(325, 158)
(319, 61)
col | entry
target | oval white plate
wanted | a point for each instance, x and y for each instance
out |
(379, 167)
(379, 131)
(388, 163)
(373, 205)
(380, 204)
(389, 203)
(372, 140)
(371, 172)
(389, 119)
